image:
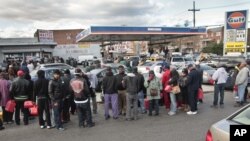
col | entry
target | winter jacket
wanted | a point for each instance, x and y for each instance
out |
(80, 89)
(165, 78)
(242, 77)
(220, 76)
(41, 88)
(19, 89)
(131, 83)
(193, 80)
(153, 84)
(66, 80)
(4, 92)
(109, 84)
(141, 82)
(56, 90)
(118, 78)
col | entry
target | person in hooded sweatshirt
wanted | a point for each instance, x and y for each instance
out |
(131, 83)
(42, 94)
(220, 77)
(110, 94)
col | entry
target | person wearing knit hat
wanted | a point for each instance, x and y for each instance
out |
(19, 92)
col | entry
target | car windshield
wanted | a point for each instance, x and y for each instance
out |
(188, 59)
(243, 117)
(177, 59)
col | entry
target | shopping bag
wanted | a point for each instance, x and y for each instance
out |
(28, 104)
(211, 81)
(200, 94)
(146, 104)
(168, 89)
(10, 106)
(34, 110)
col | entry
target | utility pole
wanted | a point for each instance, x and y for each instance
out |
(194, 10)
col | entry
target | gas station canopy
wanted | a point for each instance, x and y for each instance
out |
(126, 33)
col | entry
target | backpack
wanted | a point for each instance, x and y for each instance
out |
(77, 87)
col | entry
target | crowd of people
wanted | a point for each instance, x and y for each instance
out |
(127, 94)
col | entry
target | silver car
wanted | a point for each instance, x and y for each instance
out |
(220, 131)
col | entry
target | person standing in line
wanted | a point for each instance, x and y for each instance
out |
(220, 77)
(153, 85)
(81, 92)
(19, 92)
(184, 89)
(110, 94)
(93, 83)
(121, 91)
(174, 78)
(131, 83)
(193, 87)
(56, 93)
(242, 82)
(41, 93)
(140, 92)
(198, 68)
(66, 100)
(5, 97)
(165, 80)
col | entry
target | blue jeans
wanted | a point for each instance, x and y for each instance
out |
(241, 92)
(219, 88)
(141, 100)
(57, 113)
(173, 105)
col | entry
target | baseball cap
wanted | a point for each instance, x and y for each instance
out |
(20, 73)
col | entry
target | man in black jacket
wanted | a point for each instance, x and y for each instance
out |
(66, 101)
(42, 95)
(140, 90)
(193, 86)
(19, 92)
(56, 93)
(110, 94)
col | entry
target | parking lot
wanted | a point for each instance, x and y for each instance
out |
(180, 127)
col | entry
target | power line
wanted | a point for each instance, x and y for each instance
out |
(194, 10)
(223, 6)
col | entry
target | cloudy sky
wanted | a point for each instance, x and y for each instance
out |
(21, 18)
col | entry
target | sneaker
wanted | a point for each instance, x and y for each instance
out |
(192, 113)
(49, 127)
(42, 126)
(91, 125)
(171, 113)
(61, 129)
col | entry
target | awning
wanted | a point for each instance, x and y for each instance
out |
(124, 33)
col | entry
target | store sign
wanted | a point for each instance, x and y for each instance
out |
(235, 39)
(45, 36)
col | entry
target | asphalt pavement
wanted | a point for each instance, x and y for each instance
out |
(180, 127)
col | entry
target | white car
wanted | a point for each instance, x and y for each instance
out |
(178, 61)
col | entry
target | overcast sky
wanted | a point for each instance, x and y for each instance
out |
(21, 18)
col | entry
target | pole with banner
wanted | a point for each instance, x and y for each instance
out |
(235, 33)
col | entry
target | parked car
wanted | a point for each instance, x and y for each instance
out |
(220, 131)
(83, 58)
(48, 73)
(189, 60)
(145, 67)
(56, 65)
(178, 61)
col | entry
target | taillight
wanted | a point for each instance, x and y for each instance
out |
(209, 136)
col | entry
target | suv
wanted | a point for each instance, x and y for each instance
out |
(178, 61)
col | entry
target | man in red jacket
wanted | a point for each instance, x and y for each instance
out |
(165, 80)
